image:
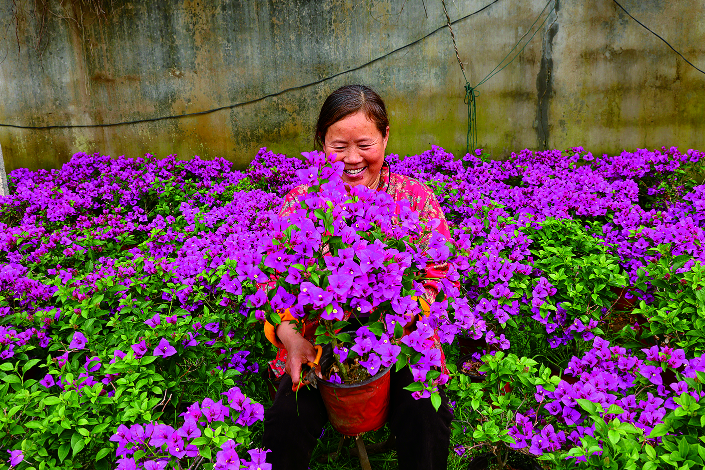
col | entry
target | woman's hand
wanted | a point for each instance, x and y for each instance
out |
(299, 351)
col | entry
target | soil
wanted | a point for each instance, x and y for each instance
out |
(619, 320)
(356, 372)
(471, 367)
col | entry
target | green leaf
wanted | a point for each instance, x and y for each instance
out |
(103, 464)
(6, 366)
(613, 436)
(77, 443)
(659, 430)
(11, 379)
(436, 400)
(650, 451)
(398, 330)
(377, 328)
(683, 448)
(199, 441)
(102, 453)
(28, 365)
(205, 452)
(63, 451)
(414, 387)
(587, 405)
(401, 362)
(615, 409)
(147, 360)
(339, 325)
(701, 451)
(51, 400)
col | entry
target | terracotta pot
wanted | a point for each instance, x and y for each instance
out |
(359, 407)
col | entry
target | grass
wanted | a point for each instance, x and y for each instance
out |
(382, 461)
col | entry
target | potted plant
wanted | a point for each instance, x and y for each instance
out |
(354, 254)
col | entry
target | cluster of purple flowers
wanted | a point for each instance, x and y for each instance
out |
(162, 444)
(610, 376)
(370, 270)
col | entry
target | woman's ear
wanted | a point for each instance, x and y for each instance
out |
(386, 138)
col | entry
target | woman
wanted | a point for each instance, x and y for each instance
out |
(353, 124)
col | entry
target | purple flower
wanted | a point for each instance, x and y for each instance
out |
(164, 349)
(139, 434)
(677, 358)
(193, 411)
(175, 445)
(680, 387)
(189, 429)
(335, 378)
(154, 321)
(372, 364)
(48, 381)
(553, 407)
(78, 342)
(126, 463)
(92, 364)
(308, 175)
(652, 353)
(259, 459)
(155, 465)
(251, 413)
(160, 435)
(122, 436)
(652, 373)
(117, 354)
(227, 458)
(16, 457)
(140, 349)
(214, 411)
(236, 399)
(388, 351)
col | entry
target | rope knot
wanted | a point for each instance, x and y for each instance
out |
(471, 93)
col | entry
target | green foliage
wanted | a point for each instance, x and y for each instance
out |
(485, 411)
(677, 312)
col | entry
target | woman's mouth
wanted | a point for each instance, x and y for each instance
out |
(355, 172)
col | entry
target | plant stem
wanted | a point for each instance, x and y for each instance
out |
(336, 344)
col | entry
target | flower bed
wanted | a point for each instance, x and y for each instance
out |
(130, 308)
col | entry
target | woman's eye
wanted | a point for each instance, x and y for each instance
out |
(365, 147)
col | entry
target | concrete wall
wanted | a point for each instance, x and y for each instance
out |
(590, 77)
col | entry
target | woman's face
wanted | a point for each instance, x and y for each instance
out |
(358, 143)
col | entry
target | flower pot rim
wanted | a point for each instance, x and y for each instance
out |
(378, 375)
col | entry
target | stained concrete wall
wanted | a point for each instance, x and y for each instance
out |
(591, 76)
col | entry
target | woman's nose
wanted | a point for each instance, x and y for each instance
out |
(352, 156)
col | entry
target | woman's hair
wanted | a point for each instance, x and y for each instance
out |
(349, 100)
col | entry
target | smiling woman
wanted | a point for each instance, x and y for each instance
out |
(353, 126)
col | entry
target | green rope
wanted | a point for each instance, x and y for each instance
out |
(470, 99)
(471, 92)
